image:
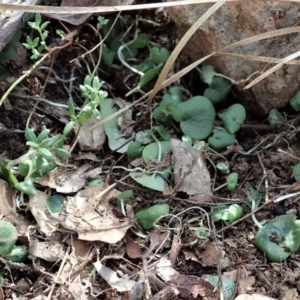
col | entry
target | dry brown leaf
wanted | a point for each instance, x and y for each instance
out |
(156, 240)
(92, 216)
(68, 181)
(245, 284)
(190, 172)
(133, 250)
(51, 250)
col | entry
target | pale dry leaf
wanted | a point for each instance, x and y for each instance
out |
(253, 297)
(8, 199)
(51, 250)
(38, 204)
(90, 139)
(245, 284)
(77, 19)
(93, 217)
(190, 173)
(123, 284)
(69, 181)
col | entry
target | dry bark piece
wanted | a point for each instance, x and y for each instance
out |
(234, 22)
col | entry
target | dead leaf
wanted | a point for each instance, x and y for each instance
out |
(156, 239)
(246, 283)
(190, 172)
(123, 284)
(92, 217)
(90, 139)
(77, 19)
(253, 297)
(210, 256)
(68, 181)
(51, 250)
(8, 198)
(87, 156)
(132, 249)
(189, 286)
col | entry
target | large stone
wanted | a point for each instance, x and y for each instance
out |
(239, 20)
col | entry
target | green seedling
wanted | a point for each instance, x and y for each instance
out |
(222, 166)
(1, 279)
(147, 217)
(218, 90)
(228, 214)
(135, 150)
(276, 119)
(279, 238)
(231, 182)
(296, 172)
(233, 117)
(8, 238)
(196, 117)
(156, 151)
(162, 132)
(295, 101)
(37, 45)
(101, 21)
(221, 139)
(122, 197)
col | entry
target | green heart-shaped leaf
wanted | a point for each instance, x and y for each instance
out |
(279, 238)
(218, 90)
(276, 119)
(196, 117)
(151, 151)
(296, 171)
(221, 139)
(233, 117)
(156, 182)
(8, 237)
(159, 55)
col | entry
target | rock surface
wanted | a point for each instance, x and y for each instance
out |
(239, 20)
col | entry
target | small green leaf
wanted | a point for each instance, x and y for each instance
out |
(148, 76)
(108, 56)
(135, 150)
(221, 139)
(43, 135)
(295, 101)
(18, 254)
(159, 55)
(207, 74)
(62, 153)
(228, 214)
(68, 128)
(125, 195)
(156, 182)
(218, 90)
(38, 19)
(9, 175)
(49, 142)
(151, 151)
(296, 172)
(8, 237)
(279, 238)
(46, 154)
(26, 187)
(30, 135)
(148, 216)
(71, 108)
(233, 117)
(55, 204)
(161, 116)
(276, 119)
(32, 145)
(162, 131)
(23, 169)
(196, 117)
(144, 66)
(222, 166)
(232, 180)
(141, 41)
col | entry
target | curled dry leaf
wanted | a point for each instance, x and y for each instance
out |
(91, 215)
(66, 181)
(190, 172)
(51, 250)
(77, 19)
